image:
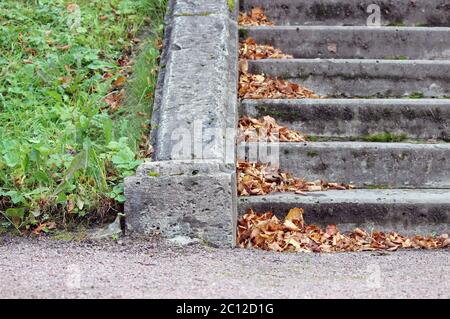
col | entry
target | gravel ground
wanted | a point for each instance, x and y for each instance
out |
(138, 268)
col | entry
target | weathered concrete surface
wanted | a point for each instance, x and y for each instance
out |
(410, 212)
(200, 7)
(362, 78)
(353, 118)
(153, 269)
(353, 12)
(194, 200)
(365, 163)
(199, 89)
(406, 43)
(190, 188)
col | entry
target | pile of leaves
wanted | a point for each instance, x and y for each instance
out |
(261, 179)
(267, 130)
(250, 50)
(256, 17)
(259, 86)
(266, 231)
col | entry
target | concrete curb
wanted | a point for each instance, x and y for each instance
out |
(190, 188)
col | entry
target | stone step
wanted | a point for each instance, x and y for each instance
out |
(354, 118)
(362, 78)
(353, 12)
(360, 42)
(387, 165)
(409, 212)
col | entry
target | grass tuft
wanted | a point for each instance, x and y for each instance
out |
(65, 150)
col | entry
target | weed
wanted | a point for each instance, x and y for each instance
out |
(63, 150)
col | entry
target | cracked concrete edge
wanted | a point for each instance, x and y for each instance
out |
(191, 91)
(192, 196)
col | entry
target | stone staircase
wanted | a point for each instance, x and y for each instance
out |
(383, 84)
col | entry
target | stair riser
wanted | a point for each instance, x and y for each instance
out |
(355, 118)
(378, 164)
(353, 12)
(356, 42)
(362, 78)
(403, 217)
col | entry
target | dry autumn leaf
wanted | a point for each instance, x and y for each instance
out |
(259, 86)
(261, 179)
(266, 129)
(114, 100)
(250, 50)
(256, 17)
(266, 231)
(44, 227)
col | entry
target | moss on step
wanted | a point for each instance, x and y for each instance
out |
(312, 154)
(243, 33)
(416, 95)
(397, 57)
(384, 137)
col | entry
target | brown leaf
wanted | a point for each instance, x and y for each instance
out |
(260, 179)
(119, 82)
(254, 18)
(250, 50)
(267, 232)
(259, 86)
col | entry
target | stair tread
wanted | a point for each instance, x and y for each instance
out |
(352, 12)
(387, 196)
(359, 145)
(410, 212)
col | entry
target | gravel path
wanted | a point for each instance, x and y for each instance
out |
(46, 268)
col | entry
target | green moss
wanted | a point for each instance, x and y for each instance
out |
(397, 57)
(231, 5)
(384, 137)
(312, 138)
(376, 187)
(397, 24)
(416, 95)
(153, 174)
(243, 33)
(312, 154)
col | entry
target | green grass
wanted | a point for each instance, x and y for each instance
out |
(64, 152)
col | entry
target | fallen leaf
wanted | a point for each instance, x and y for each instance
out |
(255, 17)
(266, 231)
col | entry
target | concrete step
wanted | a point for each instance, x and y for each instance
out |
(362, 78)
(353, 12)
(392, 165)
(409, 212)
(360, 42)
(353, 118)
